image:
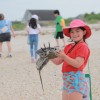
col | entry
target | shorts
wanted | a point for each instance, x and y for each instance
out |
(4, 37)
(59, 34)
(73, 82)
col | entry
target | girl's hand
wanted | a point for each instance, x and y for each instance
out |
(61, 54)
(14, 35)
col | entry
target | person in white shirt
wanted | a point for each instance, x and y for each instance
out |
(33, 30)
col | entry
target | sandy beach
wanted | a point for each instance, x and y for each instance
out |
(19, 78)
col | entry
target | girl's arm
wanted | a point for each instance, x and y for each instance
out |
(39, 28)
(77, 62)
(57, 60)
(39, 31)
(12, 31)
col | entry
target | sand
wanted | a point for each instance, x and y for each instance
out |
(19, 78)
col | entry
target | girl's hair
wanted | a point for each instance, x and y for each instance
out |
(1, 16)
(56, 12)
(33, 23)
(82, 28)
(84, 37)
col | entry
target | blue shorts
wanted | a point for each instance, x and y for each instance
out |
(73, 82)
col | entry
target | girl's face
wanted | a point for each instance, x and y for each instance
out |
(77, 34)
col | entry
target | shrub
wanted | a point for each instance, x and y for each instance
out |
(17, 25)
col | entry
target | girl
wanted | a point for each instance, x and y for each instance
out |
(33, 30)
(74, 59)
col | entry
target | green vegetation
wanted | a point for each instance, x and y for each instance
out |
(67, 21)
(17, 25)
(91, 18)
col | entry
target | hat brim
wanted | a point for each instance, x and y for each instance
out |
(88, 31)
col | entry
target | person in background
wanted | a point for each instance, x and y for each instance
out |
(5, 34)
(60, 24)
(74, 58)
(33, 30)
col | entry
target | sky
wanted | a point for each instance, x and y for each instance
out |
(15, 9)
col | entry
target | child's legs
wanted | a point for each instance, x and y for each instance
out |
(35, 45)
(0, 47)
(62, 37)
(56, 38)
(63, 41)
(9, 46)
(71, 96)
(31, 46)
(35, 49)
(8, 38)
(75, 96)
(64, 95)
(57, 41)
(31, 49)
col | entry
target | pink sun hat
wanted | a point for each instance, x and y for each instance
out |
(77, 23)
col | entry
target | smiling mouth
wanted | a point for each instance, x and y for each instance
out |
(75, 37)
